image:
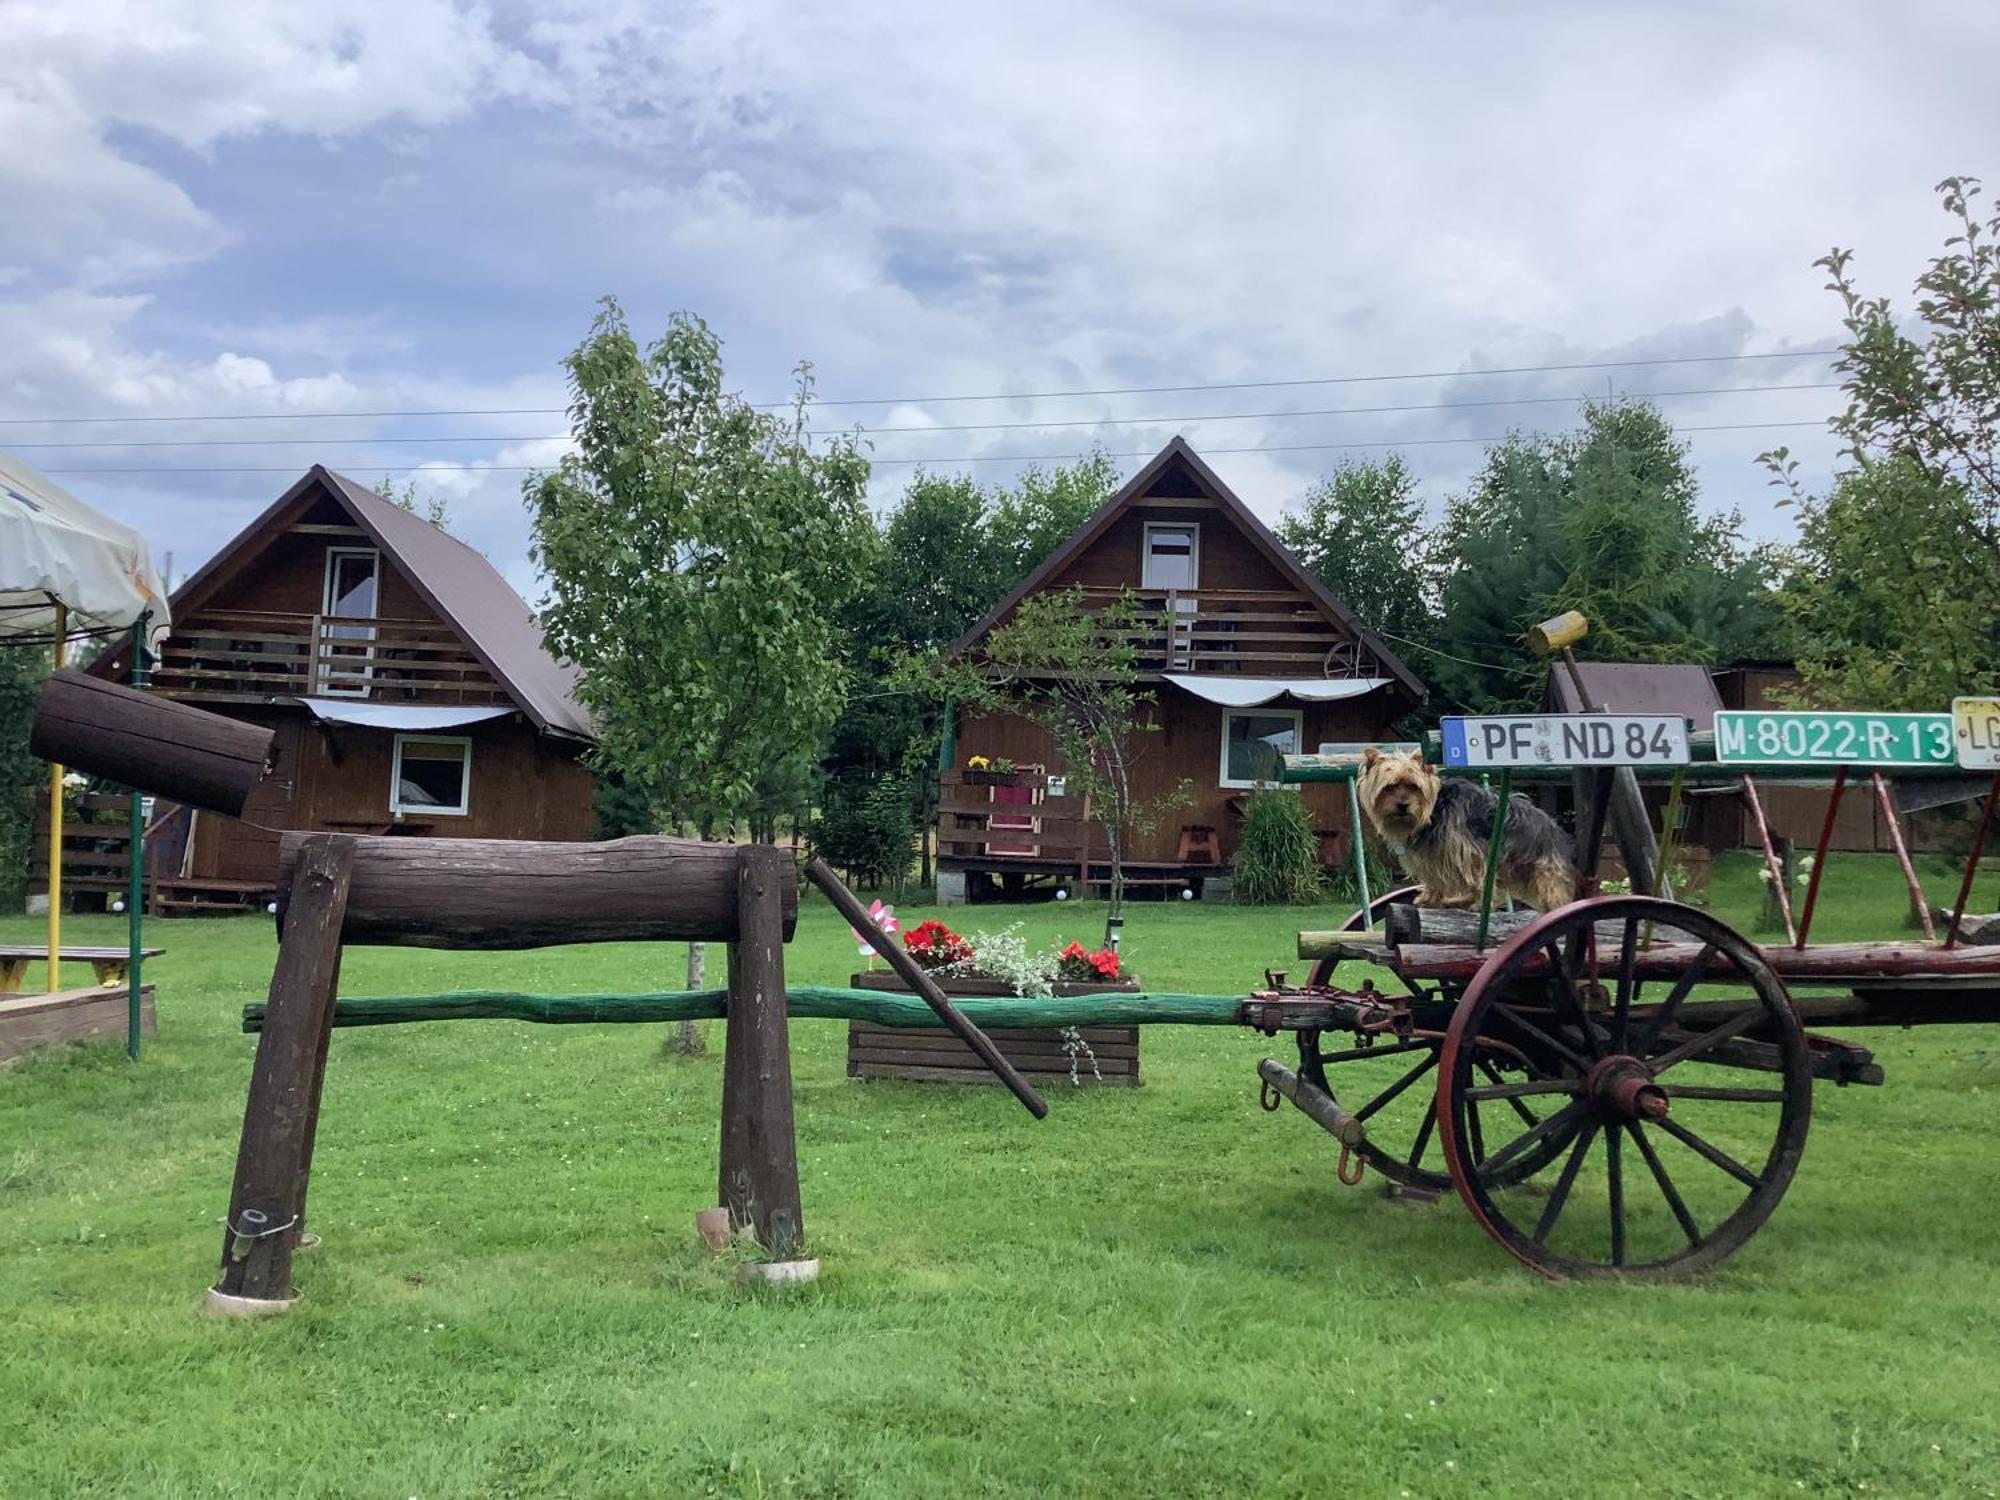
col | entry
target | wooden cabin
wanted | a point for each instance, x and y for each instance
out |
(404, 678)
(1249, 657)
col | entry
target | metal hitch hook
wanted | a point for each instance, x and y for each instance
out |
(1269, 1098)
(1352, 1178)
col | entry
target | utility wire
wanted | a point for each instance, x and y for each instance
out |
(1123, 390)
(976, 458)
(1240, 416)
(1463, 661)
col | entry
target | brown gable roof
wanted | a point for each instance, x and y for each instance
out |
(465, 590)
(1275, 552)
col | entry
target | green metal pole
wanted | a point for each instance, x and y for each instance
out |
(1360, 843)
(1493, 854)
(135, 905)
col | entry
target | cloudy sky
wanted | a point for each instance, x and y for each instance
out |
(240, 233)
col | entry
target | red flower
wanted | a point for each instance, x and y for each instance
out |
(934, 945)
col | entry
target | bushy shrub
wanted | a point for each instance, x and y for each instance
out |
(1277, 858)
(865, 828)
(21, 672)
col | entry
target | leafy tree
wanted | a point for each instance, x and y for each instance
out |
(1030, 521)
(22, 669)
(698, 553)
(1891, 590)
(1363, 533)
(1073, 671)
(1892, 585)
(866, 829)
(1603, 520)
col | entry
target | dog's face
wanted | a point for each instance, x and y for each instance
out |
(1398, 792)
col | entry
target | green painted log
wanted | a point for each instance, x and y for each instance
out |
(820, 1002)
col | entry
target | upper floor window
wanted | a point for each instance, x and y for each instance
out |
(1172, 556)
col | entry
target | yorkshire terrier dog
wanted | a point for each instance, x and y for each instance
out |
(1440, 830)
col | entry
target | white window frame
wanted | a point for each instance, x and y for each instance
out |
(427, 809)
(1296, 715)
(1193, 528)
(362, 663)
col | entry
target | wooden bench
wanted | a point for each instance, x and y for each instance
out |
(110, 965)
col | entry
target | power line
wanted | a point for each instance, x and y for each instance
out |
(976, 458)
(1124, 390)
(1162, 421)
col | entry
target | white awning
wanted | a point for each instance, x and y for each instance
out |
(408, 716)
(1248, 692)
(55, 549)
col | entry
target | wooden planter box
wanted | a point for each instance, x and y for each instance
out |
(932, 1054)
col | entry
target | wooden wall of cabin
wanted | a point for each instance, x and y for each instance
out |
(336, 778)
(1227, 560)
(1188, 745)
(290, 575)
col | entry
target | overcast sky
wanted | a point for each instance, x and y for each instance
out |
(225, 209)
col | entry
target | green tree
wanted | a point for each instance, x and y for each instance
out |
(1072, 670)
(1892, 586)
(1602, 520)
(698, 555)
(1363, 533)
(1030, 521)
(22, 669)
(1891, 591)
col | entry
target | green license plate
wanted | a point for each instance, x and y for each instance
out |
(1771, 738)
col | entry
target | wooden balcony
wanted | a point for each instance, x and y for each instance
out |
(252, 656)
(978, 821)
(1254, 633)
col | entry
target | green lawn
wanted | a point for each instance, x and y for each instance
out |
(1159, 1291)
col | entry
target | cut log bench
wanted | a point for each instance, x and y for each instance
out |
(108, 965)
(931, 1054)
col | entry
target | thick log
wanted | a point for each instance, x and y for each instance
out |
(1338, 942)
(1863, 964)
(759, 1171)
(1435, 924)
(172, 750)
(815, 1001)
(517, 893)
(268, 1197)
(821, 874)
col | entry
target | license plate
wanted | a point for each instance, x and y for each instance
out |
(1770, 737)
(1498, 741)
(1976, 728)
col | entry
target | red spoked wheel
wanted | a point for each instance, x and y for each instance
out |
(1633, 1021)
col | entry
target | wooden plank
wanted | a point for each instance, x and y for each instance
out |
(282, 1112)
(759, 1170)
(31, 1021)
(968, 1075)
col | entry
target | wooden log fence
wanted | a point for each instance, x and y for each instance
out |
(172, 750)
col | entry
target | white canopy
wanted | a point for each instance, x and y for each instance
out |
(54, 548)
(1248, 692)
(406, 716)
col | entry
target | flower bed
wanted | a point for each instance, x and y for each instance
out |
(1043, 1054)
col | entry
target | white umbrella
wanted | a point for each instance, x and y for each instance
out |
(66, 568)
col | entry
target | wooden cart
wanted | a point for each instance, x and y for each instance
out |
(1621, 1086)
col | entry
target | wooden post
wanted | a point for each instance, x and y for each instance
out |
(267, 1201)
(759, 1165)
(56, 822)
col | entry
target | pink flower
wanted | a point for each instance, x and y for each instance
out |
(883, 917)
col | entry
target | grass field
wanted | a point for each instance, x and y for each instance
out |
(1159, 1291)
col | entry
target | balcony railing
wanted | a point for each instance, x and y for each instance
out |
(1009, 816)
(254, 655)
(1255, 633)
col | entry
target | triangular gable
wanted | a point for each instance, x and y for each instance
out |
(460, 586)
(1139, 486)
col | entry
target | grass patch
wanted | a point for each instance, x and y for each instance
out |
(1154, 1291)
